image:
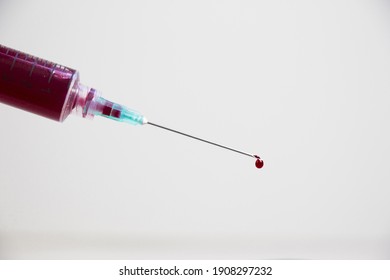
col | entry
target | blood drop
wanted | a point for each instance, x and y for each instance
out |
(259, 162)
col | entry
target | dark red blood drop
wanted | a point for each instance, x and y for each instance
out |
(259, 163)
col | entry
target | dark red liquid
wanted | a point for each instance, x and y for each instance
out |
(109, 110)
(259, 162)
(34, 84)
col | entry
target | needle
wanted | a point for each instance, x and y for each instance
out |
(203, 140)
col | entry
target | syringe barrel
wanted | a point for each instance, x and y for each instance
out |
(37, 85)
(53, 91)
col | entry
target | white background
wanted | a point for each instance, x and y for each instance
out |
(304, 84)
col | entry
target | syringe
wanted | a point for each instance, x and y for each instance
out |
(54, 91)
